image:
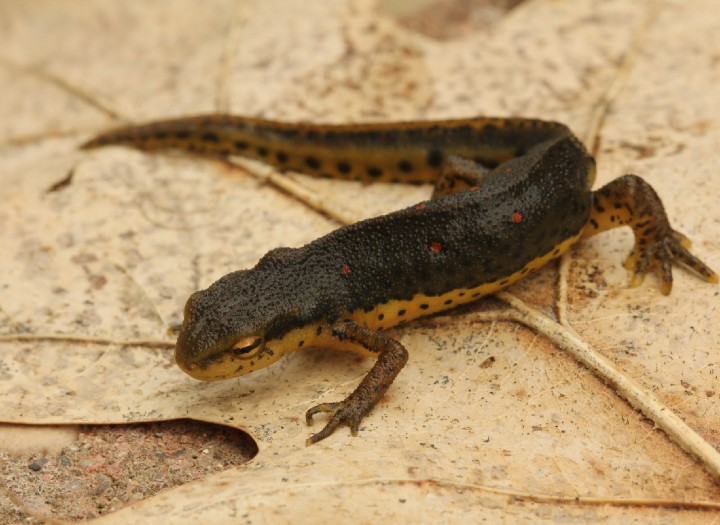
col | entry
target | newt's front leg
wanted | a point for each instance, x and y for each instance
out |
(630, 201)
(392, 356)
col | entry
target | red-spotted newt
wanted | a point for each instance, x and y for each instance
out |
(510, 195)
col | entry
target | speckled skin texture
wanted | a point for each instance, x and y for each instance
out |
(510, 194)
(390, 257)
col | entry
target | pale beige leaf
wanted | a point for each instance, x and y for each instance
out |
(489, 420)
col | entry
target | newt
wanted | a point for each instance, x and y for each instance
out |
(510, 194)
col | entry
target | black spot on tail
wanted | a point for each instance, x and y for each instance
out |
(434, 158)
(312, 162)
(405, 166)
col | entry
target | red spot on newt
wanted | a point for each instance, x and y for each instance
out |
(473, 188)
(435, 247)
(421, 206)
(346, 270)
(516, 218)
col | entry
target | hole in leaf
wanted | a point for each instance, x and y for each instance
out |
(111, 466)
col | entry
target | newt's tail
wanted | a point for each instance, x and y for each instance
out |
(196, 134)
(408, 152)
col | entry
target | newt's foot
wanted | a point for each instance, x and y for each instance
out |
(343, 412)
(392, 356)
(658, 255)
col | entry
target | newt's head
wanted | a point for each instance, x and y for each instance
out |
(226, 327)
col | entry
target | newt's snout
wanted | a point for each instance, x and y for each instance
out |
(195, 348)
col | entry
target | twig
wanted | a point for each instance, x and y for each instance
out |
(288, 184)
(639, 398)
(542, 498)
(71, 338)
(64, 85)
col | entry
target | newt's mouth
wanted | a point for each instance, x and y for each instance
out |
(244, 356)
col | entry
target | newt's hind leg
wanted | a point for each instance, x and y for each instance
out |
(458, 174)
(630, 201)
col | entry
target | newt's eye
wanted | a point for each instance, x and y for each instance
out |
(248, 347)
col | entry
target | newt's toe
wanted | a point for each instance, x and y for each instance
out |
(342, 412)
(658, 256)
